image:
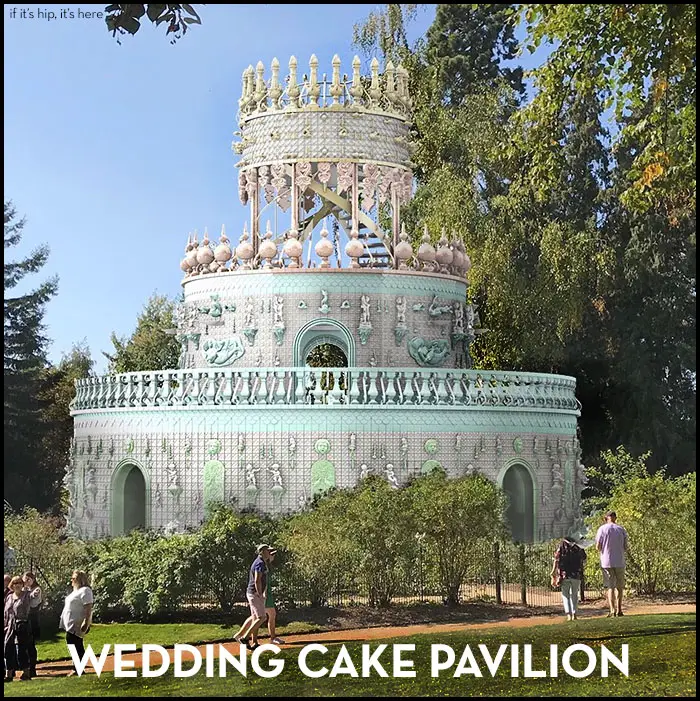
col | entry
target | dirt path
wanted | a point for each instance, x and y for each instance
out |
(64, 667)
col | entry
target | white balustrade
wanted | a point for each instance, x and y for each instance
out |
(320, 386)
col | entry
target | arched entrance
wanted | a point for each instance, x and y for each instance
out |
(518, 485)
(130, 499)
(324, 332)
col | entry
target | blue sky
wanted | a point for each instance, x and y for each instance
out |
(114, 153)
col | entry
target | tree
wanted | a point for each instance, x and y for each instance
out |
(617, 468)
(319, 547)
(581, 229)
(222, 552)
(634, 56)
(659, 516)
(378, 523)
(27, 482)
(467, 45)
(455, 516)
(127, 18)
(150, 346)
(57, 393)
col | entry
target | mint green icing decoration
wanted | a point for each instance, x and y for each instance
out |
(322, 476)
(429, 466)
(223, 352)
(213, 484)
(431, 446)
(428, 353)
(322, 446)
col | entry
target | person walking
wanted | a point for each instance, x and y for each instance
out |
(17, 634)
(35, 600)
(270, 608)
(612, 542)
(255, 593)
(567, 572)
(76, 617)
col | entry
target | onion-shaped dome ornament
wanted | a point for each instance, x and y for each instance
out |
(223, 252)
(293, 249)
(268, 248)
(403, 251)
(426, 251)
(244, 250)
(324, 248)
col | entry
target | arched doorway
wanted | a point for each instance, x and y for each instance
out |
(324, 343)
(321, 333)
(130, 499)
(518, 486)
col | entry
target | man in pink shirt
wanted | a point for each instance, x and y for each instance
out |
(611, 541)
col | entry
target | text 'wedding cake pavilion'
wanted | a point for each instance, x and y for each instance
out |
(244, 419)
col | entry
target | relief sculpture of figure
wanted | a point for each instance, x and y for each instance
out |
(171, 471)
(470, 319)
(400, 311)
(365, 306)
(276, 475)
(279, 303)
(251, 480)
(581, 474)
(459, 318)
(249, 312)
(391, 476)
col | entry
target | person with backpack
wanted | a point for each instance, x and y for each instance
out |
(567, 571)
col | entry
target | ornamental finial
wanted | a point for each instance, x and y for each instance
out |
(314, 87)
(356, 89)
(375, 92)
(275, 86)
(293, 90)
(336, 87)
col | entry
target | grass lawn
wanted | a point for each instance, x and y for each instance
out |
(53, 646)
(661, 663)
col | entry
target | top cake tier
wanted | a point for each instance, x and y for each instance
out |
(360, 119)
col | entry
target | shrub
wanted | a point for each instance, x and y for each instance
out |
(458, 517)
(224, 548)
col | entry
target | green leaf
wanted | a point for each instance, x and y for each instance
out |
(190, 11)
(130, 24)
(155, 11)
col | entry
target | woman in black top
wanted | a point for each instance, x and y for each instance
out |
(567, 571)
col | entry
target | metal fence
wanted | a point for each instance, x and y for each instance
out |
(499, 573)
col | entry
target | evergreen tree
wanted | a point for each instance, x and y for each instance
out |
(467, 44)
(26, 480)
(58, 392)
(153, 345)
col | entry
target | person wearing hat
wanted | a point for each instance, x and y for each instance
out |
(567, 571)
(612, 543)
(255, 593)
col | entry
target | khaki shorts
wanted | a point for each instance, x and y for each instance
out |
(614, 577)
(257, 605)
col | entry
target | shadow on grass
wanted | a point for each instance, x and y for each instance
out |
(674, 629)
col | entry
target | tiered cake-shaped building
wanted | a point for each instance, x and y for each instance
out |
(245, 420)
